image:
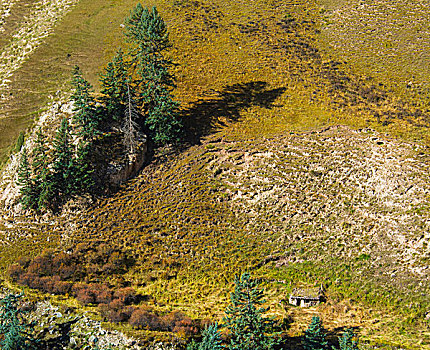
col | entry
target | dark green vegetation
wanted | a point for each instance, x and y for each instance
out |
(244, 317)
(249, 72)
(15, 330)
(142, 75)
(48, 182)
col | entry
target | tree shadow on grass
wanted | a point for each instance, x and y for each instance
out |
(205, 116)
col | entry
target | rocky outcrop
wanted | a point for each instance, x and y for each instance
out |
(128, 166)
(114, 165)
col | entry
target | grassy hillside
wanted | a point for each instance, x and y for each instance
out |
(264, 183)
(218, 45)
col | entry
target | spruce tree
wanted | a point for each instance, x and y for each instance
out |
(42, 180)
(85, 116)
(250, 330)
(25, 182)
(347, 342)
(114, 87)
(315, 336)
(82, 170)
(211, 340)
(15, 331)
(62, 177)
(147, 32)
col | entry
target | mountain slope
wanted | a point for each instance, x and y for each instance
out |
(336, 206)
(264, 182)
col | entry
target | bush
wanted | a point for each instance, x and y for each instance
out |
(84, 294)
(126, 295)
(178, 322)
(116, 311)
(145, 318)
(62, 287)
(92, 293)
(29, 279)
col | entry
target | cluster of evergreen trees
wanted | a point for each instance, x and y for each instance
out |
(137, 84)
(250, 330)
(136, 92)
(57, 173)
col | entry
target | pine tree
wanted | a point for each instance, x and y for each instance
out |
(114, 87)
(85, 113)
(347, 342)
(315, 336)
(27, 190)
(42, 180)
(250, 330)
(15, 331)
(62, 176)
(83, 170)
(162, 117)
(147, 31)
(211, 340)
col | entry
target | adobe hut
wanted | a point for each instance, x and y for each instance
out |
(307, 297)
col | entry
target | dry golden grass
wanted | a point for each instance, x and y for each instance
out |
(247, 71)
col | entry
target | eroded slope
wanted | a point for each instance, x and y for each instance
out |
(336, 206)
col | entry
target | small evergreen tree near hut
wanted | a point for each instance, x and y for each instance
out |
(15, 331)
(211, 340)
(315, 336)
(245, 317)
(347, 341)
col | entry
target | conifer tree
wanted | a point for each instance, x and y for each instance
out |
(28, 199)
(85, 115)
(15, 331)
(114, 87)
(315, 336)
(42, 180)
(245, 317)
(62, 177)
(211, 340)
(147, 31)
(347, 342)
(83, 170)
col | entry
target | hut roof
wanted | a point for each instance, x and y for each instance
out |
(307, 293)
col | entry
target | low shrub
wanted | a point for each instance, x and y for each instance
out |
(116, 311)
(145, 318)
